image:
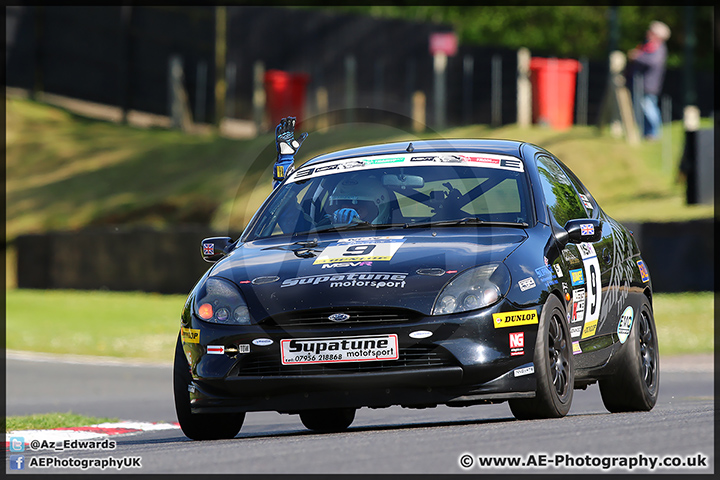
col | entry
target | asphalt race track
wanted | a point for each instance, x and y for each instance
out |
(391, 440)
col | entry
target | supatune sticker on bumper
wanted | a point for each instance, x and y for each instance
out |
(339, 349)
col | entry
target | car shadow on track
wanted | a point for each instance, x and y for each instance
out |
(289, 433)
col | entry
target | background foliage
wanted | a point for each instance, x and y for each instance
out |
(563, 31)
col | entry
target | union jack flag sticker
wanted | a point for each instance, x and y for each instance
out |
(587, 229)
(208, 249)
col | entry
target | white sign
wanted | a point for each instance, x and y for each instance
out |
(519, 372)
(526, 284)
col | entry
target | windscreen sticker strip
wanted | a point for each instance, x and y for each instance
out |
(504, 162)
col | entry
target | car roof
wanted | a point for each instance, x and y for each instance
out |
(504, 147)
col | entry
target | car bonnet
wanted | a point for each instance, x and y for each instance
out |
(406, 269)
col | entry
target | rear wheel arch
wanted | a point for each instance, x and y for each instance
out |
(648, 294)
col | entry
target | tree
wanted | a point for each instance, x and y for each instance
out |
(562, 31)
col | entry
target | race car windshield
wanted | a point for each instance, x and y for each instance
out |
(391, 196)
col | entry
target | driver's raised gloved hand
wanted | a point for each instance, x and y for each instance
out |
(286, 146)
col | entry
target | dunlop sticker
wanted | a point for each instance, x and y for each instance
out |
(190, 335)
(589, 329)
(512, 319)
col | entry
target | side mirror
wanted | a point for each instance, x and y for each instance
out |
(214, 248)
(583, 230)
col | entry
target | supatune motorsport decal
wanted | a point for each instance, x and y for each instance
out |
(339, 349)
(370, 279)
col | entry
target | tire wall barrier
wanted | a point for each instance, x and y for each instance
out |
(679, 255)
(167, 261)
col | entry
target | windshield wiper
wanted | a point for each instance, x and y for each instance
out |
(352, 226)
(466, 221)
(306, 248)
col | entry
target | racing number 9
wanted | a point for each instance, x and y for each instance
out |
(594, 284)
(355, 250)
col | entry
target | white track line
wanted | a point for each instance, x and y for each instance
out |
(83, 359)
(99, 431)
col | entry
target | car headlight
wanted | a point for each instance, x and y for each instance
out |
(475, 288)
(218, 301)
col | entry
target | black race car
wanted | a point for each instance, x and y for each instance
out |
(453, 272)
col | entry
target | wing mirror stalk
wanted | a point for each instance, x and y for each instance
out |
(214, 248)
(583, 230)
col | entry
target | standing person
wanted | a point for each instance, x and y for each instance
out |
(649, 59)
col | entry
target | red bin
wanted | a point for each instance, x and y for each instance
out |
(553, 84)
(285, 93)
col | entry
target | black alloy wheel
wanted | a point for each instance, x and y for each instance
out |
(554, 368)
(648, 351)
(208, 426)
(634, 384)
(559, 354)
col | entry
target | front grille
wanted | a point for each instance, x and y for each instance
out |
(415, 357)
(357, 315)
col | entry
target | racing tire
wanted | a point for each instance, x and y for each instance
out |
(554, 368)
(634, 386)
(207, 426)
(328, 420)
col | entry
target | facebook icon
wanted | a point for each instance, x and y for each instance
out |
(17, 462)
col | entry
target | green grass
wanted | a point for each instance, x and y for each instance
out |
(65, 171)
(114, 324)
(685, 322)
(44, 421)
(145, 326)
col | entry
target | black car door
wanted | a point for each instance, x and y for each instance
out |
(583, 270)
(615, 250)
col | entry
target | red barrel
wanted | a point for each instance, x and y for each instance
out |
(553, 82)
(285, 93)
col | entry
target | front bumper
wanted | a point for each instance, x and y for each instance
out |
(465, 361)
